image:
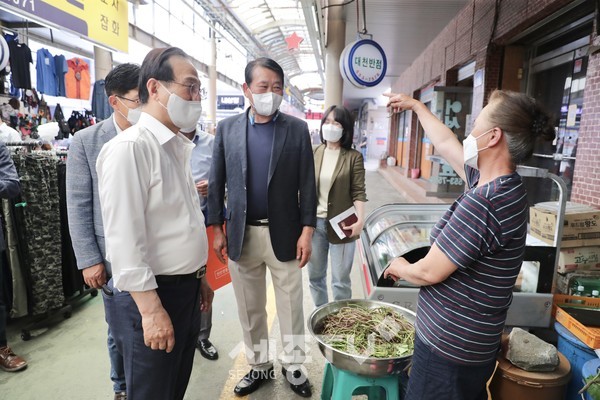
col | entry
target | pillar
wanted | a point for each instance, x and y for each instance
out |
(212, 84)
(103, 62)
(336, 40)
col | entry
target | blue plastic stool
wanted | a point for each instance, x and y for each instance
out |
(339, 384)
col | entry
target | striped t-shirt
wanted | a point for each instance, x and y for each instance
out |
(483, 233)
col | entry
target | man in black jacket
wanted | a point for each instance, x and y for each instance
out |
(265, 159)
(9, 188)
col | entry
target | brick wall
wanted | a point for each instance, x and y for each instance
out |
(586, 178)
(467, 38)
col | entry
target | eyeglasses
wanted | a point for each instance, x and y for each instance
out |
(136, 101)
(195, 90)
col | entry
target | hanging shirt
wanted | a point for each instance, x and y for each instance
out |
(77, 80)
(46, 73)
(61, 68)
(100, 106)
(20, 58)
(152, 219)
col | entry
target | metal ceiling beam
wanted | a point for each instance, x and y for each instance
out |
(309, 8)
(277, 24)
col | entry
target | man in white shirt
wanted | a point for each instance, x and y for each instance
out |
(200, 162)
(154, 231)
(8, 134)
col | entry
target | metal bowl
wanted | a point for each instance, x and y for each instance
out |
(361, 365)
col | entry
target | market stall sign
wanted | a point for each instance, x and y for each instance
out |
(101, 21)
(363, 63)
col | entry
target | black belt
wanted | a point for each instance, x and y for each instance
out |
(258, 222)
(176, 279)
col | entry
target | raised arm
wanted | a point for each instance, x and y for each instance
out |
(441, 136)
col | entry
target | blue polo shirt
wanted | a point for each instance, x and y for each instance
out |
(260, 147)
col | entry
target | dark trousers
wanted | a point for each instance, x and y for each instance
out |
(155, 374)
(3, 296)
(433, 377)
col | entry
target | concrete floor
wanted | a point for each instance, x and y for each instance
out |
(69, 360)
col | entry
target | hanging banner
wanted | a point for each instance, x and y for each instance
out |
(101, 21)
(363, 63)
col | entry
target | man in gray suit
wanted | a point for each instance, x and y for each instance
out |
(264, 157)
(83, 204)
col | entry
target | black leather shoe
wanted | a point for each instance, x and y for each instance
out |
(207, 349)
(252, 381)
(298, 382)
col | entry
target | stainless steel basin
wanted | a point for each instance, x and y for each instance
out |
(367, 366)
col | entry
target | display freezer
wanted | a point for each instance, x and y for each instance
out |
(403, 230)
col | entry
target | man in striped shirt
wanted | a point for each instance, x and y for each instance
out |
(477, 247)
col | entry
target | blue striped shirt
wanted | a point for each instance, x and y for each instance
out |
(483, 234)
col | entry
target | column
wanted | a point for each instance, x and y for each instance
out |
(336, 39)
(212, 84)
(103, 62)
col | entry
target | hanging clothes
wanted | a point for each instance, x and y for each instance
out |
(46, 73)
(20, 60)
(60, 69)
(72, 277)
(100, 106)
(19, 288)
(77, 80)
(38, 226)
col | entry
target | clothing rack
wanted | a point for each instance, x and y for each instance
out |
(29, 143)
(74, 288)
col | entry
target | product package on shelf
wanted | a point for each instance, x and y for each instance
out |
(579, 259)
(581, 226)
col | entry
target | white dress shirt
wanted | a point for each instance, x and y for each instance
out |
(8, 134)
(153, 224)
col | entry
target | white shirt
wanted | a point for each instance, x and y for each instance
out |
(153, 224)
(330, 159)
(8, 134)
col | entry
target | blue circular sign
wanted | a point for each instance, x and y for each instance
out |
(366, 63)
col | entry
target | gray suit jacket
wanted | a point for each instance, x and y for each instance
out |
(291, 189)
(9, 183)
(83, 203)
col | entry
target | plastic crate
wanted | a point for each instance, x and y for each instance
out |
(588, 335)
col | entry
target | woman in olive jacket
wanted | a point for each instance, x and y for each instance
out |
(340, 177)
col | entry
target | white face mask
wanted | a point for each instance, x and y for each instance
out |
(183, 113)
(332, 133)
(266, 104)
(133, 114)
(470, 151)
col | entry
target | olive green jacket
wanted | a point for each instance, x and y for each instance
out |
(347, 185)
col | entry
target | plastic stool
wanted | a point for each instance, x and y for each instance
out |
(339, 384)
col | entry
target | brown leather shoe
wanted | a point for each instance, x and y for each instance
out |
(120, 395)
(9, 361)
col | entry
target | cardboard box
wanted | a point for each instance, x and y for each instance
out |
(581, 226)
(579, 259)
(565, 281)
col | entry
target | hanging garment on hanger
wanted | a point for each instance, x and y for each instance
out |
(72, 277)
(46, 73)
(61, 68)
(20, 60)
(19, 290)
(77, 80)
(41, 224)
(100, 106)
